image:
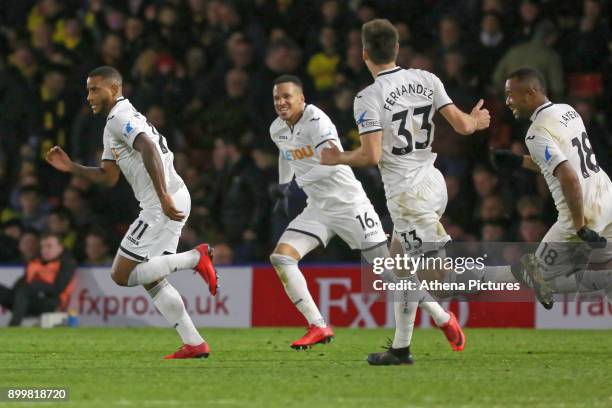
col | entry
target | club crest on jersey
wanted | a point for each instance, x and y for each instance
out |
(300, 153)
(547, 155)
(127, 129)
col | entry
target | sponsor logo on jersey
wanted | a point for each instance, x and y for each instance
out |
(367, 123)
(547, 155)
(300, 153)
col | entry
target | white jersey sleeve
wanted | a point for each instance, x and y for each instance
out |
(107, 153)
(544, 150)
(440, 97)
(128, 125)
(367, 114)
(322, 132)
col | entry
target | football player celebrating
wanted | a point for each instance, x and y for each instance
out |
(147, 252)
(394, 117)
(337, 205)
(573, 255)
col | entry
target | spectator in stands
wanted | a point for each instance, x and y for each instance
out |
(352, 71)
(228, 116)
(97, 249)
(589, 41)
(485, 181)
(323, 65)
(529, 17)
(449, 37)
(537, 53)
(29, 246)
(282, 57)
(223, 254)
(492, 43)
(240, 202)
(31, 212)
(60, 224)
(74, 201)
(46, 284)
(10, 232)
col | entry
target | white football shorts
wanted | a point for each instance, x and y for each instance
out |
(561, 253)
(154, 234)
(358, 226)
(416, 215)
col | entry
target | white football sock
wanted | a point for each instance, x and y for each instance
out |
(437, 312)
(295, 285)
(405, 313)
(170, 304)
(159, 267)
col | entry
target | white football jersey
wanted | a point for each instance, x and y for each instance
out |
(401, 103)
(123, 124)
(557, 134)
(327, 187)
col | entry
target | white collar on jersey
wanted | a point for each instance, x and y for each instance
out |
(389, 71)
(539, 109)
(119, 99)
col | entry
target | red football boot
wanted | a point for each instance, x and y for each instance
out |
(205, 267)
(314, 335)
(454, 334)
(188, 351)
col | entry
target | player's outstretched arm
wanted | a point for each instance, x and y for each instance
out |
(465, 124)
(107, 174)
(155, 168)
(368, 154)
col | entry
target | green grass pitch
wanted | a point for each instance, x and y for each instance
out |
(256, 368)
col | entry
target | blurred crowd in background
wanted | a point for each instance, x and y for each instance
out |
(202, 72)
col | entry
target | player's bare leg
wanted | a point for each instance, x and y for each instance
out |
(170, 304)
(285, 260)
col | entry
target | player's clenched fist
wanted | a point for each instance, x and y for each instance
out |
(482, 116)
(58, 158)
(330, 155)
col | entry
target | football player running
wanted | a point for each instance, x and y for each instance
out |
(573, 255)
(337, 205)
(146, 254)
(394, 117)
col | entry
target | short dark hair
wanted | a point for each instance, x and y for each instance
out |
(531, 75)
(380, 38)
(289, 78)
(29, 188)
(47, 235)
(107, 72)
(63, 213)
